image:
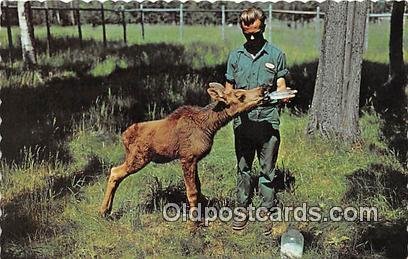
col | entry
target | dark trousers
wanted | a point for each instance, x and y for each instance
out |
(262, 138)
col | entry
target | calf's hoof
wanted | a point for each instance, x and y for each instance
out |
(104, 213)
(194, 226)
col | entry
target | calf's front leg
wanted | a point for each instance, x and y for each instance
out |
(191, 182)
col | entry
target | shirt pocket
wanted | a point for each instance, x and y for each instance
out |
(240, 78)
(268, 77)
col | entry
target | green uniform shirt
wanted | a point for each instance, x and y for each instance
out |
(247, 72)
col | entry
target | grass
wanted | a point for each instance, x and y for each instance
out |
(73, 106)
(286, 38)
(321, 179)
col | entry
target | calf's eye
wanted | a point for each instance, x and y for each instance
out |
(241, 97)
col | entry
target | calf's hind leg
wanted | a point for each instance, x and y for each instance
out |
(115, 178)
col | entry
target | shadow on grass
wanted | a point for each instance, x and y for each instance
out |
(388, 185)
(30, 213)
(58, 45)
(284, 181)
(391, 103)
(388, 238)
(378, 180)
(158, 75)
(44, 116)
(158, 78)
(155, 196)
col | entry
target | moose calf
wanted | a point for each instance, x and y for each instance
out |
(186, 134)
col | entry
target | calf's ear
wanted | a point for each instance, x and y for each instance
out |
(216, 85)
(216, 94)
(216, 91)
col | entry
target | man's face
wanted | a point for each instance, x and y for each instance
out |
(253, 32)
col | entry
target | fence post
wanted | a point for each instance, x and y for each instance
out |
(123, 23)
(181, 22)
(223, 22)
(366, 30)
(57, 15)
(1, 15)
(79, 27)
(7, 21)
(72, 12)
(47, 23)
(103, 25)
(31, 26)
(142, 21)
(270, 23)
(317, 24)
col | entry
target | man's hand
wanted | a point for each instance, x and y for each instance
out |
(286, 100)
(228, 87)
(281, 86)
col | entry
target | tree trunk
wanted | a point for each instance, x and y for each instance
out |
(391, 98)
(335, 105)
(26, 32)
(396, 31)
(1, 17)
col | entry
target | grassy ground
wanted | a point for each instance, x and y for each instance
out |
(63, 123)
(67, 224)
(299, 44)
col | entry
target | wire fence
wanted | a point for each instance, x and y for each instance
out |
(121, 12)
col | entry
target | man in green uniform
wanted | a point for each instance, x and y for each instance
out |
(256, 63)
